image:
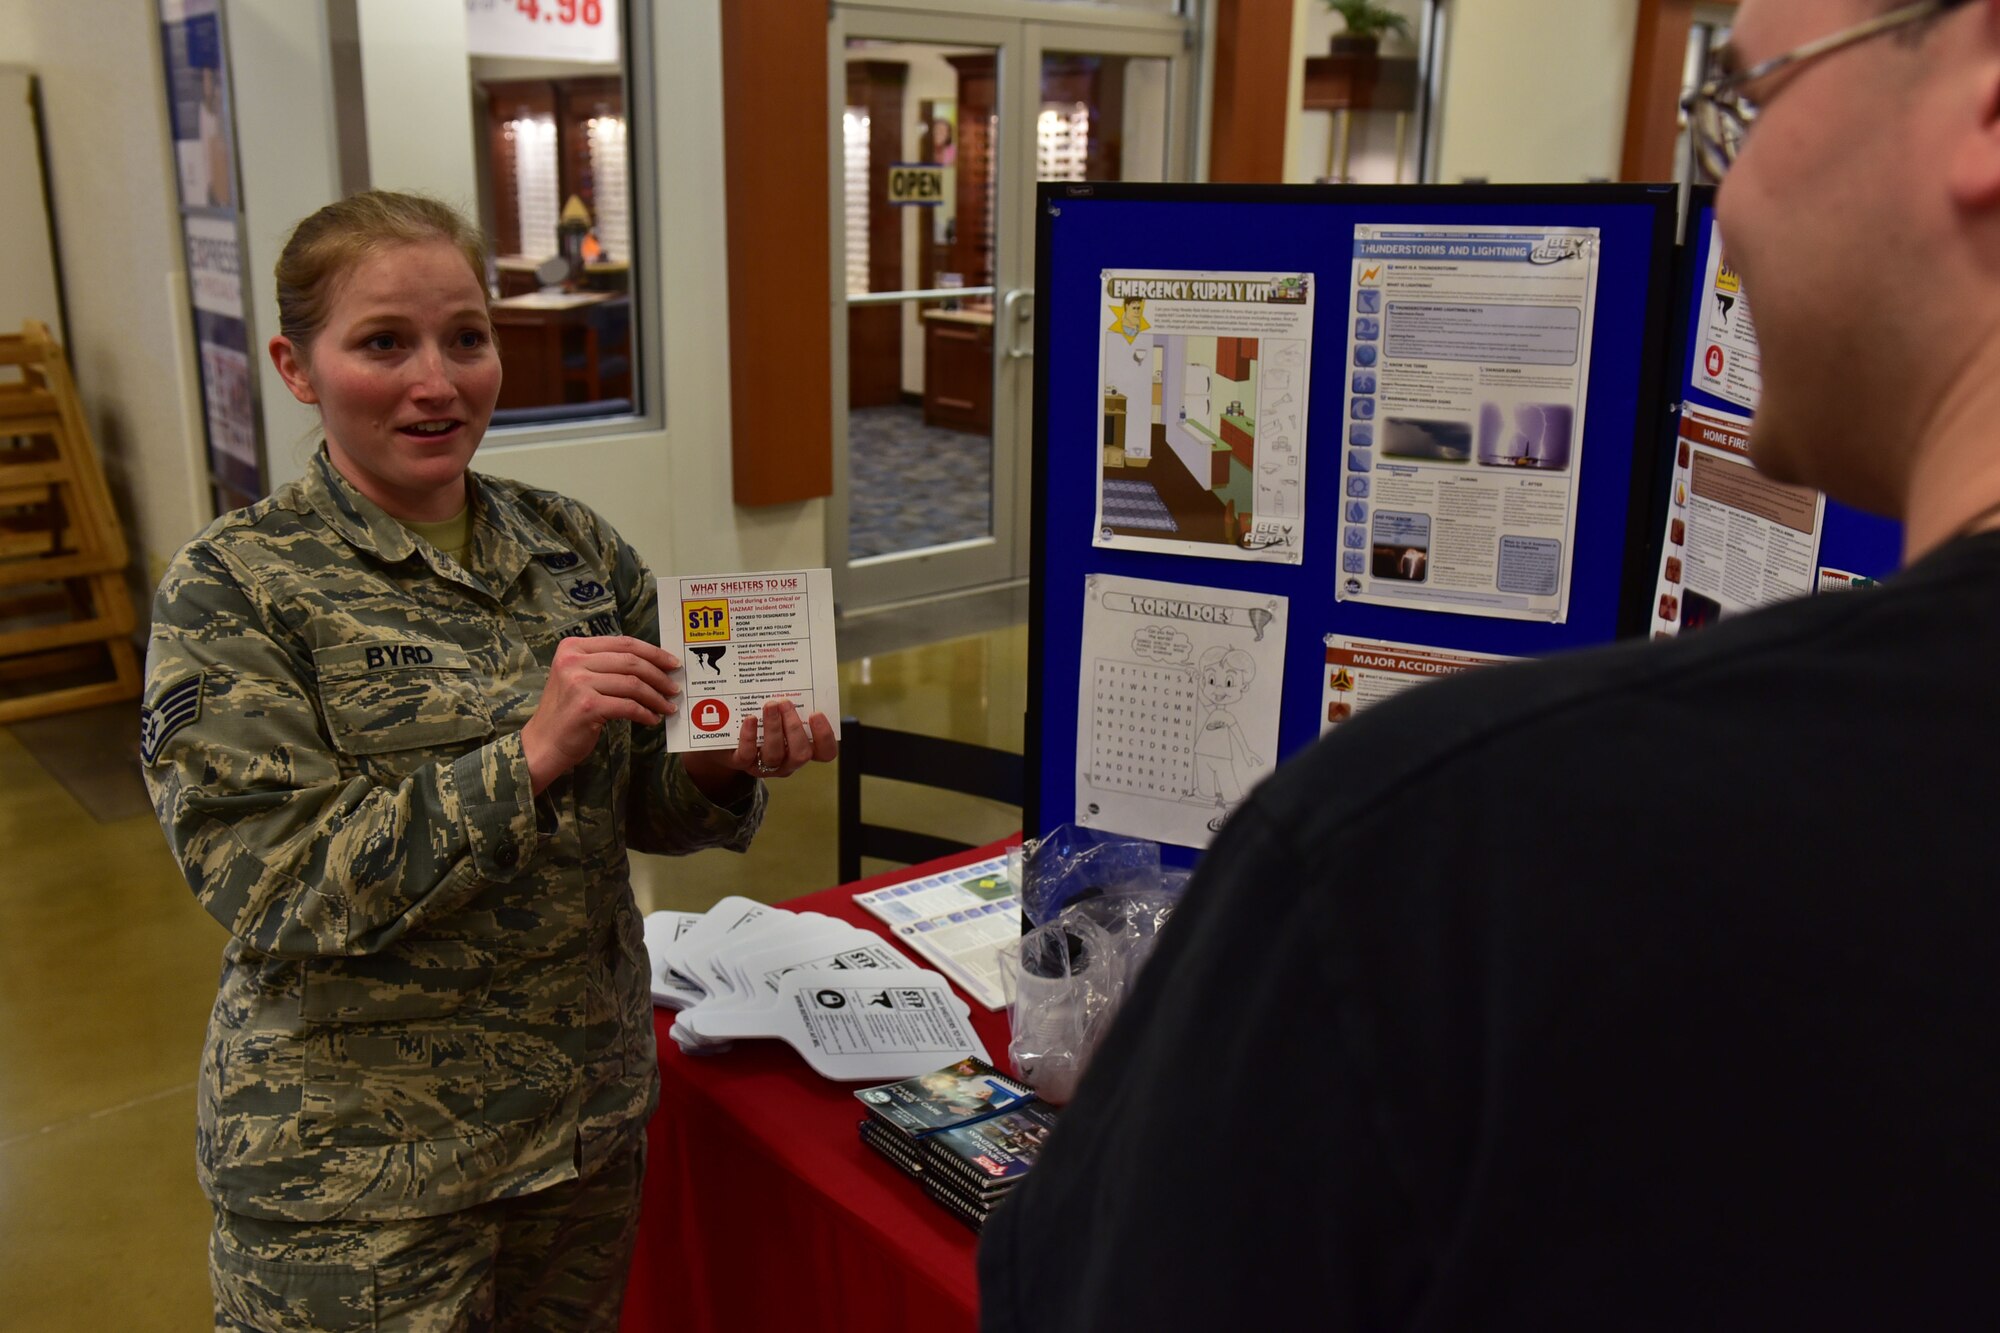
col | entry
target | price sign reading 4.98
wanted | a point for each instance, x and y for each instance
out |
(566, 11)
(582, 30)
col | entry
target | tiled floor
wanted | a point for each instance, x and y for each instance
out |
(913, 485)
(108, 967)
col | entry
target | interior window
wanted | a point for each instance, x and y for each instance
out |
(551, 86)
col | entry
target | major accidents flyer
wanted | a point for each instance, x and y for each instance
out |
(1361, 673)
(745, 640)
(1201, 414)
(1177, 705)
(1468, 362)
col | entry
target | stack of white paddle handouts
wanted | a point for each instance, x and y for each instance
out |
(845, 998)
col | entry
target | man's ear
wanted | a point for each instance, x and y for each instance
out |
(1975, 165)
(292, 369)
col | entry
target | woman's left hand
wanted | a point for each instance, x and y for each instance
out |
(775, 746)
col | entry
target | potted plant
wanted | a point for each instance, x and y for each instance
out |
(1366, 21)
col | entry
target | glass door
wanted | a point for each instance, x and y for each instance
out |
(1109, 104)
(943, 124)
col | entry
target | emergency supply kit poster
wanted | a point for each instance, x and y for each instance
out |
(745, 640)
(1201, 424)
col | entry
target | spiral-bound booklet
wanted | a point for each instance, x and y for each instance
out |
(961, 1093)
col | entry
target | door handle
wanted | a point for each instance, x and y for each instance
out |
(1012, 317)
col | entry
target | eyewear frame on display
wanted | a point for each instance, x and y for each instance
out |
(1720, 114)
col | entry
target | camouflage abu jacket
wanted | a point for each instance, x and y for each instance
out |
(435, 992)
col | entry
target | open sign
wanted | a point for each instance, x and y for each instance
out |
(916, 183)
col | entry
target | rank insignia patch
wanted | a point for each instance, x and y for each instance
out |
(176, 707)
(587, 590)
(565, 560)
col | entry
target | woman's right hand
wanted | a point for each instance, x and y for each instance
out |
(591, 682)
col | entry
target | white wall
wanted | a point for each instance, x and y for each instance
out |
(670, 492)
(1533, 90)
(111, 164)
(112, 178)
(1144, 122)
(1371, 151)
(414, 74)
(281, 70)
(932, 79)
(28, 278)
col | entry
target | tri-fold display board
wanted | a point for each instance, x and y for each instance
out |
(1299, 449)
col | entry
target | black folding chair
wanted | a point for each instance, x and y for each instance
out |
(904, 756)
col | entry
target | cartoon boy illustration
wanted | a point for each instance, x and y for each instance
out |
(1135, 318)
(1222, 677)
(1129, 318)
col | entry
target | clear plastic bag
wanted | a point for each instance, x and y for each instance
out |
(1072, 864)
(1098, 901)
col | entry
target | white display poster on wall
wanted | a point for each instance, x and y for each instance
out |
(1177, 705)
(1201, 416)
(1468, 363)
(1727, 362)
(745, 640)
(1736, 540)
(215, 266)
(1362, 672)
(201, 119)
(215, 283)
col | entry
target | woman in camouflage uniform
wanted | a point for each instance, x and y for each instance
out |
(402, 722)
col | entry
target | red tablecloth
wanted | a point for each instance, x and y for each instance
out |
(764, 1211)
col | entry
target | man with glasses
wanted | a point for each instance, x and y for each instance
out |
(1859, 182)
(1656, 987)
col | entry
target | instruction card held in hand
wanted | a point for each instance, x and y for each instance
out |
(745, 640)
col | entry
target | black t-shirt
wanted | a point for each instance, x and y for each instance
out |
(1653, 987)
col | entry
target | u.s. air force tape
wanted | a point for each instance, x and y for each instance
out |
(177, 706)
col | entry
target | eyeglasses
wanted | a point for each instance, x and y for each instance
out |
(1720, 113)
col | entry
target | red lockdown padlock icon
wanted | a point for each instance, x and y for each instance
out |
(711, 715)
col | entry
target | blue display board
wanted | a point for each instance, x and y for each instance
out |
(1852, 541)
(1084, 230)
